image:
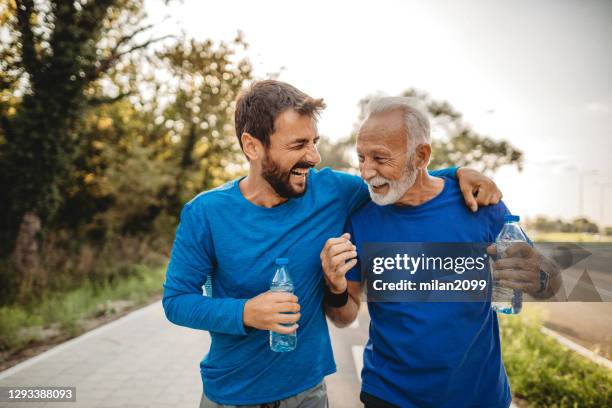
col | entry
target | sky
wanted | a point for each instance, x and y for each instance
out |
(535, 73)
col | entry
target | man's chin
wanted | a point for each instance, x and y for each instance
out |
(380, 199)
(298, 192)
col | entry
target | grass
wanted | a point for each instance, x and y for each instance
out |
(545, 373)
(65, 314)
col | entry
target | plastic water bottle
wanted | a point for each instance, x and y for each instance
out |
(282, 283)
(507, 300)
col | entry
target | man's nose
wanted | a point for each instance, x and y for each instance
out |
(313, 156)
(367, 172)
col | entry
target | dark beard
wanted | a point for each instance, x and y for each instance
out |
(279, 180)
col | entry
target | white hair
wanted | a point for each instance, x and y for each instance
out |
(415, 120)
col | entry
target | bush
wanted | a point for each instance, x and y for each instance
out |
(65, 314)
(547, 374)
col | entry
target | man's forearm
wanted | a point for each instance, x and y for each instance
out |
(345, 315)
(342, 316)
(222, 315)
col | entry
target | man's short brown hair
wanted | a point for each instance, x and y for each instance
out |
(263, 101)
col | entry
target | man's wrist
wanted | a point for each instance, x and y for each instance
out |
(335, 299)
(338, 288)
(246, 313)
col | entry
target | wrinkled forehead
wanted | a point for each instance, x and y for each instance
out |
(382, 130)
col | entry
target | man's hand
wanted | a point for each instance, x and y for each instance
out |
(271, 311)
(477, 188)
(338, 256)
(519, 269)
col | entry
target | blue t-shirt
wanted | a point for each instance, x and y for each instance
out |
(226, 237)
(423, 354)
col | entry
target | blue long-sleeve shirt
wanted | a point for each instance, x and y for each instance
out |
(226, 237)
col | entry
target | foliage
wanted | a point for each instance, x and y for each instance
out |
(105, 135)
(544, 224)
(454, 142)
(54, 51)
(63, 314)
(545, 373)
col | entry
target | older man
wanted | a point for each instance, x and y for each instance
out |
(419, 354)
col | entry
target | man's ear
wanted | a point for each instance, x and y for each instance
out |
(252, 147)
(423, 154)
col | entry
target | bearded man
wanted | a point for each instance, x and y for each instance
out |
(234, 233)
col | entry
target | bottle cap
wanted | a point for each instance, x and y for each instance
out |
(511, 218)
(282, 261)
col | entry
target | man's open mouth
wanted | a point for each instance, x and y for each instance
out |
(300, 172)
(378, 187)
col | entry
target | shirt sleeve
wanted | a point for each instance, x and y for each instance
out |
(352, 189)
(496, 215)
(191, 262)
(450, 172)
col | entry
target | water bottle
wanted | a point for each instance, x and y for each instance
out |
(282, 283)
(507, 300)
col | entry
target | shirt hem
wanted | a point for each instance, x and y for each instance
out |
(263, 400)
(377, 392)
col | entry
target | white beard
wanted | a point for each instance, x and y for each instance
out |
(397, 188)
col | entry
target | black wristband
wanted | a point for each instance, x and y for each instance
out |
(335, 299)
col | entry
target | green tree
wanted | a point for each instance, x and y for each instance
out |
(454, 142)
(199, 124)
(142, 158)
(54, 52)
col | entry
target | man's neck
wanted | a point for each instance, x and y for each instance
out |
(258, 191)
(425, 188)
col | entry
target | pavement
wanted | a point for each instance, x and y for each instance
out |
(142, 360)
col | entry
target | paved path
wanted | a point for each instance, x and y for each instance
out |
(142, 360)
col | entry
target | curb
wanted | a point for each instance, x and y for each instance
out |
(583, 351)
(69, 343)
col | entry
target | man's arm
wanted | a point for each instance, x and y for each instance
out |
(345, 315)
(522, 269)
(337, 258)
(191, 262)
(477, 189)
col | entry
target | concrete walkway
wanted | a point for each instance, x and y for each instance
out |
(142, 360)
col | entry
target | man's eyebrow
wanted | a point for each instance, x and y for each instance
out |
(304, 140)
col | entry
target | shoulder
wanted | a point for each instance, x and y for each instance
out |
(210, 199)
(333, 178)
(365, 213)
(494, 212)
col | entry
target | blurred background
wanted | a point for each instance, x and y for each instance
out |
(114, 113)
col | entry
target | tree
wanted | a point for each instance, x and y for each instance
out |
(454, 142)
(145, 156)
(53, 52)
(199, 124)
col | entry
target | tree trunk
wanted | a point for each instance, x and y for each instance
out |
(27, 255)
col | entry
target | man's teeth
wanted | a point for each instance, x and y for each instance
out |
(299, 172)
